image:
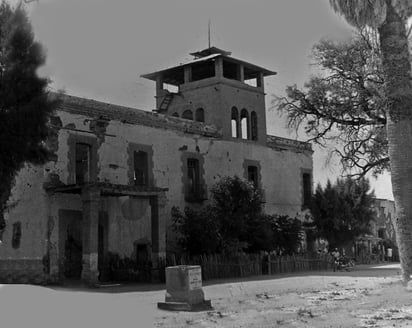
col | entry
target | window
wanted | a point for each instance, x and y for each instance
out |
(200, 115)
(193, 176)
(82, 163)
(187, 114)
(244, 124)
(175, 114)
(307, 189)
(253, 126)
(235, 123)
(141, 169)
(252, 175)
(381, 233)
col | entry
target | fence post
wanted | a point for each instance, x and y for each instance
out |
(269, 265)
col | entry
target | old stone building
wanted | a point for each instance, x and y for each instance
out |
(118, 171)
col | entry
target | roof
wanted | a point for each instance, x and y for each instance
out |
(98, 109)
(210, 51)
(211, 56)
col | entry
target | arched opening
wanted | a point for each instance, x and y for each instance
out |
(200, 115)
(175, 114)
(187, 114)
(244, 124)
(235, 123)
(254, 126)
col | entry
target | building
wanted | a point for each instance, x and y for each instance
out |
(116, 171)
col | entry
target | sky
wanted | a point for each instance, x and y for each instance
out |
(99, 48)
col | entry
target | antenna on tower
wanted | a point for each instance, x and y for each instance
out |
(208, 32)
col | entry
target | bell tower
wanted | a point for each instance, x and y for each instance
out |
(217, 89)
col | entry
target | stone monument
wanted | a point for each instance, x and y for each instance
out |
(184, 289)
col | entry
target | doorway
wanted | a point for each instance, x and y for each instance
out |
(70, 244)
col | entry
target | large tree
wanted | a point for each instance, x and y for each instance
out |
(344, 103)
(389, 18)
(24, 103)
(342, 211)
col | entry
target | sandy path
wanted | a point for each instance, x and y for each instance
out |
(305, 301)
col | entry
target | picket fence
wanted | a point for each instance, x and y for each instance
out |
(217, 266)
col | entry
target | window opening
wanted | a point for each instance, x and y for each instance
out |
(230, 70)
(193, 176)
(187, 114)
(82, 162)
(252, 175)
(253, 126)
(200, 115)
(141, 168)
(235, 123)
(203, 70)
(307, 188)
(244, 124)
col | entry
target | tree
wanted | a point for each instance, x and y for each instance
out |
(234, 221)
(345, 104)
(342, 211)
(24, 103)
(389, 18)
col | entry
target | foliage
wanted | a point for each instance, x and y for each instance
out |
(234, 222)
(345, 104)
(24, 103)
(342, 211)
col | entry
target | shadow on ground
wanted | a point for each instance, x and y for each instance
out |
(373, 270)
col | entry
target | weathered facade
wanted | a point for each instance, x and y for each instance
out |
(118, 171)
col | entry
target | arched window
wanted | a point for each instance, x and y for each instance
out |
(235, 123)
(200, 115)
(244, 124)
(254, 126)
(175, 114)
(187, 114)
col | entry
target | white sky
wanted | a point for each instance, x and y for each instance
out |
(99, 48)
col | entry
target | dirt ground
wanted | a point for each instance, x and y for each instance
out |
(370, 296)
(367, 297)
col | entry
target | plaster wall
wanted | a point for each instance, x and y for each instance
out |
(217, 97)
(128, 218)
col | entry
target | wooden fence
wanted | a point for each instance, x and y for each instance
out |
(244, 265)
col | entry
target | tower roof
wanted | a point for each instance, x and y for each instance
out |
(175, 75)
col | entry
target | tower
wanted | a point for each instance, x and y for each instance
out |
(215, 88)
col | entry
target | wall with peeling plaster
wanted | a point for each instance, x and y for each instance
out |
(129, 219)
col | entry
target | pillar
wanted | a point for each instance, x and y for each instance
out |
(90, 225)
(158, 231)
(219, 67)
(187, 74)
(241, 73)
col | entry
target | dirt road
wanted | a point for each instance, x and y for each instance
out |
(367, 297)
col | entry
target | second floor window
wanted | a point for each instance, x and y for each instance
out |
(307, 189)
(193, 175)
(252, 175)
(82, 162)
(141, 169)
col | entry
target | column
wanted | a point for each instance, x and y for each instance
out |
(158, 230)
(241, 73)
(159, 90)
(90, 224)
(187, 74)
(219, 67)
(260, 81)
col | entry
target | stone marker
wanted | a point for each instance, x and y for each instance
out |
(184, 289)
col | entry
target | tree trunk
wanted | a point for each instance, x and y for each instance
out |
(397, 70)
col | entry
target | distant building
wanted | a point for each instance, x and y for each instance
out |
(116, 171)
(385, 214)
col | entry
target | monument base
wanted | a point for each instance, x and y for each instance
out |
(182, 306)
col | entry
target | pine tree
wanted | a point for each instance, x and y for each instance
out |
(25, 105)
